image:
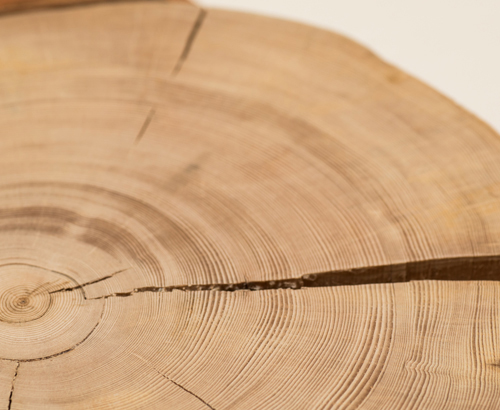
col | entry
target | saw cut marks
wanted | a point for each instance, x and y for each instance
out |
(203, 209)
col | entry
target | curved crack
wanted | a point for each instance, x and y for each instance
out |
(89, 283)
(37, 359)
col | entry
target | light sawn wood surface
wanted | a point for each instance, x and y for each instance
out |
(202, 209)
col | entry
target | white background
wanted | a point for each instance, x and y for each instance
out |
(452, 45)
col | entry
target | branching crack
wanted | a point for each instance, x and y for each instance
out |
(12, 388)
(190, 40)
(454, 269)
(173, 382)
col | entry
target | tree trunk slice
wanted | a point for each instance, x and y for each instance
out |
(208, 209)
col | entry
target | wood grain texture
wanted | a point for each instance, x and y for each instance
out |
(10, 6)
(416, 345)
(208, 209)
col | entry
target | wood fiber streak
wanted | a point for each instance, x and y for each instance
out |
(203, 209)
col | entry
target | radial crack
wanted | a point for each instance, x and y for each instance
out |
(189, 391)
(190, 40)
(12, 388)
(145, 126)
(172, 381)
(471, 268)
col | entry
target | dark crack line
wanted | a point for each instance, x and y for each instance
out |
(189, 391)
(89, 283)
(39, 289)
(12, 388)
(172, 381)
(486, 268)
(145, 126)
(37, 359)
(47, 285)
(190, 40)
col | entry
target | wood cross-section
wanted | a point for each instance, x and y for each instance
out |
(204, 209)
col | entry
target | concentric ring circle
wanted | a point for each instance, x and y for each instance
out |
(37, 320)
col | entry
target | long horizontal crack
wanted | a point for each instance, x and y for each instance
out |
(453, 269)
(479, 268)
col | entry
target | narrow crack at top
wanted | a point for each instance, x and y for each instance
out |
(190, 41)
(12, 386)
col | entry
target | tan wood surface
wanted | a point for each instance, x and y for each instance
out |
(9, 6)
(210, 209)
